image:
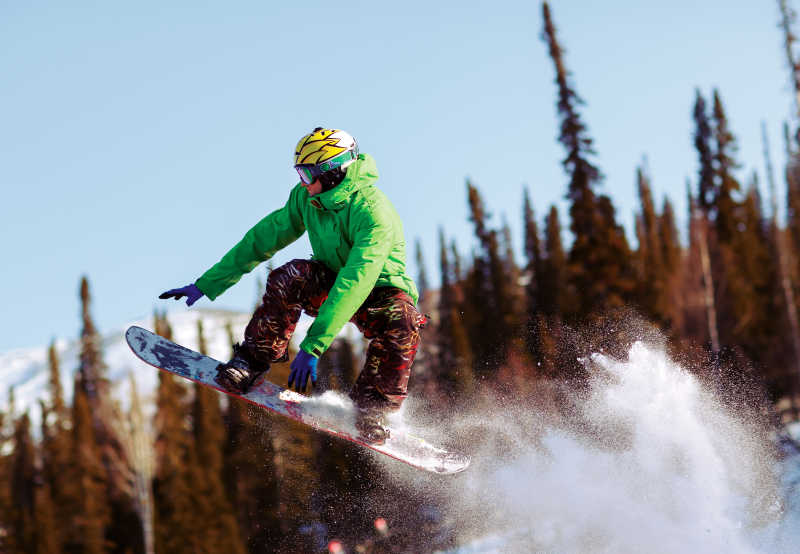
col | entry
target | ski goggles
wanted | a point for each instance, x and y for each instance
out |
(310, 172)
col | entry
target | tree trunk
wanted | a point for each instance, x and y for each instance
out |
(708, 284)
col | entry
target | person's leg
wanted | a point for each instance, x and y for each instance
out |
(295, 286)
(391, 320)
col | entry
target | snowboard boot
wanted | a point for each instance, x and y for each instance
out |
(371, 425)
(239, 374)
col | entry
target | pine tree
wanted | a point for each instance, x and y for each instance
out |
(600, 266)
(106, 420)
(738, 240)
(250, 474)
(513, 284)
(23, 489)
(88, 496)
(141, 455)
(58, 407)
(455, 353)
(176, 527)
(219, 530)
(484, 324)
(507, 250)
(546, 286)
(294, 445)
(446, 292)
(651, 269)
(553, 292)
(346, 473)
(251, 477)
(533, 271)
(784, 372)
(533, 250)
(26, 507)
(792, 197)
(457, 268)
(725, 184)
(706, 195)
(754, 283)
(699, 237)
(490, 291)
(55, 446)
(671, 257)
(45, 518)
(668, 238)
(721, 219)
(615, 275)
(91, 370)
(788, 17)
(427, 353)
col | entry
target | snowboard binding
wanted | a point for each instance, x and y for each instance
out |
(371, 426)
(238, 375)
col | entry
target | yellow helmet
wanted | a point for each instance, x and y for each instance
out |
(322, 145)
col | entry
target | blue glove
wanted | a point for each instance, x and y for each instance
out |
(191, 292)
(303, 367)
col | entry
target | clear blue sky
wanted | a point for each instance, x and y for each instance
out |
(138, 142)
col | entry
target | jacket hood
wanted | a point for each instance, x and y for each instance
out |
(360, 174)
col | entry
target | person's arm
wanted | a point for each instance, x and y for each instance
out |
(274, 232)
(372, 243)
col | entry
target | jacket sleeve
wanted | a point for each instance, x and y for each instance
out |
(371, 247)
(274, 232)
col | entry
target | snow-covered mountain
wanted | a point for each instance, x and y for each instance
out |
(27, 370)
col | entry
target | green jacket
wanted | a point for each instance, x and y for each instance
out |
(354, 230)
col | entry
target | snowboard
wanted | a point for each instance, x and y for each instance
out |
(335, 418)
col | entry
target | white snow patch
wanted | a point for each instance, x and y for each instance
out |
(332, 406)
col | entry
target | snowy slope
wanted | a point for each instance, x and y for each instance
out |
(27, 370)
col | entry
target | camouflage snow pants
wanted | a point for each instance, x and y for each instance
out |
(388, 317)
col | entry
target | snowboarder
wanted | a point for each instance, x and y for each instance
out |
(357, 273)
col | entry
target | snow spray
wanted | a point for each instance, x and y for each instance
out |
(651, 462)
